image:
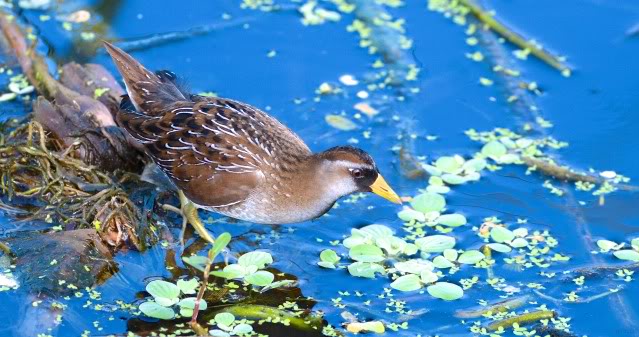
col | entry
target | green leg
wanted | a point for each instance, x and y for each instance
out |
(189, 215)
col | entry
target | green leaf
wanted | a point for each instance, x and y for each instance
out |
(355, 239)
(154, 310)
(364, 327)
(441, 262)
(260, 278)
(189, 303)
(472, 176)
(452, 220)
(231, 271)
(501, 234)
(438, 189)
(453, 179)
(325, 264)
(428, 202)
(186, 312)
(523, 143)
(366, 253)
(218, 333)
(329, 255)
(436, 181)
(392, 245)
(377, 231)
(607, 245)
(474, 165)
(445, 291)
(519, 243)
(435, 243)
(224, 318)
(428, 276)
(448, 164)
(364, 269)
(494, 150)
(242, 329)
(220, 243)
(410, 249)
(279, 284)
(413, 266)
(166, 292)
(450, 255)
(508, 142)
(432, 170)
(340, 122)
(188, 287)
(500, 247)
(408, 214)
(471, 257)
(521, 232)
(508, 158)
(196, 261)
(408, 282)
(635, 244)
(257, 259)
(627, 254)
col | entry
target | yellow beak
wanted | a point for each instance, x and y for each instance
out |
(381, 188)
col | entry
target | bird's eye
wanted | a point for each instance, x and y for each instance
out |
(357, 173)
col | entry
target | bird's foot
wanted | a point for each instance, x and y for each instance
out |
(189, 214)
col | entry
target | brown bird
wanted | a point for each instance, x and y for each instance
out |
(232, 158)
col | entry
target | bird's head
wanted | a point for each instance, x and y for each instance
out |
(349, 170)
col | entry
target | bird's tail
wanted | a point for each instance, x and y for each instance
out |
(145, 88)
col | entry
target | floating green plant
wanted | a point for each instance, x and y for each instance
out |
(227, 325)
(166, 298)
(619, 250)
(249, 269)
(372, 246)
(504, 146)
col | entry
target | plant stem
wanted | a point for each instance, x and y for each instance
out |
(205, 281)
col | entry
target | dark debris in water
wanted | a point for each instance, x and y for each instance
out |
(59, 264)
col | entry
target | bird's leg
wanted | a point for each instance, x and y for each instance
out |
(188, 211)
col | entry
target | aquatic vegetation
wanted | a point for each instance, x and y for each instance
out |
(249, 269)
(227, 325)
(340, 122)
(504, 146)
(619, 250)
(68, 189)
(167, 295)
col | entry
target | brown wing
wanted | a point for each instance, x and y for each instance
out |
(215, 150)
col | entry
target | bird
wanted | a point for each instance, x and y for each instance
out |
(231, 158)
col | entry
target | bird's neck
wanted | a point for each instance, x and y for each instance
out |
(321, 182)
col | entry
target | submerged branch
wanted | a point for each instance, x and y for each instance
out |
(501, 306)
(599, 270)
(169, 37)
(514, 38)
(253, 311)
(5, 248)
(566, 174)
(523, 319)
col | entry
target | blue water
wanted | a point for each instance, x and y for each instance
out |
(595, 111)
